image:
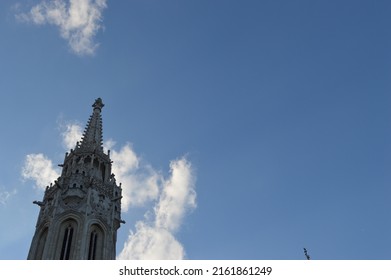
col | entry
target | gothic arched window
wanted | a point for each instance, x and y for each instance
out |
(67, 241)
(95, 244)
(92, 247)
(41, 244)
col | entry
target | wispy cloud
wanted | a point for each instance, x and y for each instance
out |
(78, 21)
(5, 196)
(140, 181)
(156, 239)
(178, 195)
(39, 168)
(71, 133)
(151, 243)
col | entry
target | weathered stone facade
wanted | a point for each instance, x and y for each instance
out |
(81, 212)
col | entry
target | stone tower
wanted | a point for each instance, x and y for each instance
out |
(81, 212)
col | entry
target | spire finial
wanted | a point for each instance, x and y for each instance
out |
(98, 104)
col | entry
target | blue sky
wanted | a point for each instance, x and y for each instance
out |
(280, 109)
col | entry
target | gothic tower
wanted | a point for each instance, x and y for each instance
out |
(81, 212)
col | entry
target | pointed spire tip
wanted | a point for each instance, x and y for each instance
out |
(98, 104)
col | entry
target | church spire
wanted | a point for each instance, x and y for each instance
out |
(81, 212)
(92, 136)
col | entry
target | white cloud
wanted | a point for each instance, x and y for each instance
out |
(108, 144)
(151, 243)
(39, 168)
(177, 196)
(5, 196)
(78, 21)
(157, 240)
(139, 182)
(72, 133)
